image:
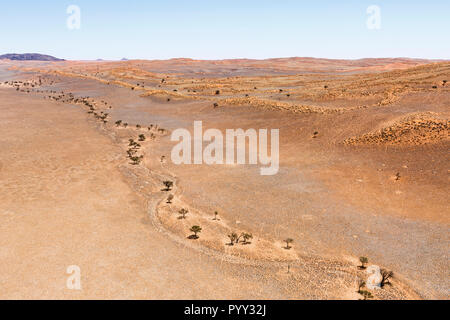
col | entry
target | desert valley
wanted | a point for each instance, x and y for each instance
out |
(87, 180)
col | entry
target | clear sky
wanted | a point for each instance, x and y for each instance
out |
(210, 29)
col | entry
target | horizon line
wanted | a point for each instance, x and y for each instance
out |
(226, 59)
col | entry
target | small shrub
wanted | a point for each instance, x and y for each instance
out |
(246, 237)
(183, 212)
(363, 261)
(234, 238)
(168, 184)
(361, 284)
(288, 242)
(136, 160)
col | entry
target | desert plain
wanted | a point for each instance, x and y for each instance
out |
(364, 172)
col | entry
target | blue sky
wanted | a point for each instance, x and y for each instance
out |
(226, 29)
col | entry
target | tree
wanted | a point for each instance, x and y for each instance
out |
(168, 184)
(217, 92)
(361, 284)
(215, 215)
(386, 276)
(246, 237)
(366, 294)
(141, 137)
(183, 212)
(138, 126)
(195, 230)
(118, 123)
(136, 160)
(125, 124)
(363, 261)
(131, 152)
(234, 238)
(288, 242)
(170, 198)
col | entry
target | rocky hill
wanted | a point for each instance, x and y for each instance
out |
(29, 57)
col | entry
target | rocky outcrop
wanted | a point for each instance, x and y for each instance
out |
(414, 130)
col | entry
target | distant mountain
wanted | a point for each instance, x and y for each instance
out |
(29, 57)
(124, 59)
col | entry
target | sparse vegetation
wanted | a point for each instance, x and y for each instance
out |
(141, 137)
(118, 123)
(170, 198)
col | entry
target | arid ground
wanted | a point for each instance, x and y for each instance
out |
(364, 172)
